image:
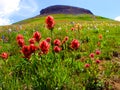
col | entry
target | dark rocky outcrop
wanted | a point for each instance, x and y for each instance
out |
(64, 9)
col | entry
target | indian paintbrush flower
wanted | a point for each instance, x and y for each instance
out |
(57, 42)
(32, 40)
(4, 55)
(72, 28)
(19, 36)
(44, 46)
(50, 22)
(48, 39)
(33, 48)
(57, 49)
(65, 39)
(87, 65)
(26, 51)
(21, 42)
(92, 55)
(100, 36)
(98, 52)
(75, 44)
(98, 61)
(37, 36)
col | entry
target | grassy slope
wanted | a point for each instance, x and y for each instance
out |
(62, 17)
(88, 37)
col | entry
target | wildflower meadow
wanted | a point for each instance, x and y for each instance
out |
(59, 52)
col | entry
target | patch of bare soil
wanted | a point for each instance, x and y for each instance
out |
(115, 85)
(114, 82)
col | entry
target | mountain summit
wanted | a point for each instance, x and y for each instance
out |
(64, 9)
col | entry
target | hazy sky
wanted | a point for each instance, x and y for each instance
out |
(15, 10)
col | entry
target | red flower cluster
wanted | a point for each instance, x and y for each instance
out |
(98, 61)
(50, 22)
(19, 36)
(48, 39)
(65, 39)
(37, 36)
(92, 55)
(75, 44)
(72, 28)
(87, 65)
(4, 55)
(44, 46)
(33, 48)
(20, 40)
(57, 49)
(28, 50)
(98, 52)
(32, 40)
(57, 42)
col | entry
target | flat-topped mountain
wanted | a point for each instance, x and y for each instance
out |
(64, 9)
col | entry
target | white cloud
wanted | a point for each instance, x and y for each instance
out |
(7, 7)
(4, 21)
(117, 18)
(16, 8)
(27, 8)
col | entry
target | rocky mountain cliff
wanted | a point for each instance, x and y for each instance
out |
(64, 9)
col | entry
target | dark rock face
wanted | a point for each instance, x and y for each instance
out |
(63, 9)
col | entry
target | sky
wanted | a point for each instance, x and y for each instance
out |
(12, 11)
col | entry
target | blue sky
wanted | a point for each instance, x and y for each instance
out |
(15, 10)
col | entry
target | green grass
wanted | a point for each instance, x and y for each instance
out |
(64, 70)
(64, 17)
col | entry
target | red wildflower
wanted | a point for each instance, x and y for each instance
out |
(75, 44)
(87, 65)
(57, 49)
(20, 42)
(19, 36)
(32, 40)
(72, 28)
(97, 52)
(50, 22)
(33, 48)
(92, 55)
(44, 46)
(4, 55)
(37, 36)
(48, 39)
(98, 43)
(65, 39)
(98, 61)
(100, 36)
(57, 42)
(26, 51)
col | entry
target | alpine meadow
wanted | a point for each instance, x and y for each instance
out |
(60, 52)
